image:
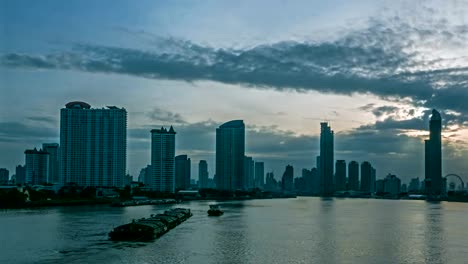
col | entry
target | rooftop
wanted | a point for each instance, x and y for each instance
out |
(233, 124)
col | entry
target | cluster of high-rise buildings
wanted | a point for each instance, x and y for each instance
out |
(93, 152)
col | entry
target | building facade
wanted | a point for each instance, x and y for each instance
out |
(54, 161)
(4, 176)
(230, 153)
(326, 160)
(249, 172)
(259, 174)
(93, 145)
(183, 167)
(163, 160)
(37, 167)
(433, 156)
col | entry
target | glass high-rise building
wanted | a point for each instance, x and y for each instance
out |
(93, 145)
(163, 160)
(433, 156)
(326, 160)
(230, 153)
(367, 177)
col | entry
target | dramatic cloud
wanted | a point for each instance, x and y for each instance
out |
(390, 59)
(162, 115)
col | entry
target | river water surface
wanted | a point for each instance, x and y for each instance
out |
(302, 230)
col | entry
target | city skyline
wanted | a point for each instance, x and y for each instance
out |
(356, 70)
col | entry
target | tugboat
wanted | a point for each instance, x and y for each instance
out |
(214, 210)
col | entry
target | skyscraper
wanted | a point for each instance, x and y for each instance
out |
(93, 145)
(367, 177)
(20, 174)
(259, 174)
(203, 174)
(230, 152)
(340, 175)
(249, 172)
(163, 160)
(37, 166)
(353, 176)
(326, 160)
(433, 155)
(288, 179)
(54, 161)
(182, 172)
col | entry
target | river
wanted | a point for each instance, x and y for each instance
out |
(302, 230)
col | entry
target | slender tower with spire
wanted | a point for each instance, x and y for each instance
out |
(433, 156)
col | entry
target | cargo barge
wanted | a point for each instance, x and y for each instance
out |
(145, 229)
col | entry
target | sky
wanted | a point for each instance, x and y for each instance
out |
(373, 69)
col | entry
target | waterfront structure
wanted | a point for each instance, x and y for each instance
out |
(287, 182)
(20, 173)
(270, 182)
(93, 145)
(4, 176)
(249, 172)
(353, 176)
(203, 174)
(163, 160)
(183, 166)
(326, 160)
(433, 156)
(340, 175)
(367, 177)
(230, 153)
(54, 161)
(259, 174)
(37, 166)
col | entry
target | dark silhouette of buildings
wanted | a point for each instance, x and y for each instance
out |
(183, 166)
(326, 160)
(340, 175)
(249, 172)
(230, 153)
(163, 160)
(270, 182)
(367, 177)
(353, 176)
(288, 179)
(4, 176)
(203, 174)
(20, 173)
(259, 174)
(433, 156)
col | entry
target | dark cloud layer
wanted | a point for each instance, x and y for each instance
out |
(380, 60)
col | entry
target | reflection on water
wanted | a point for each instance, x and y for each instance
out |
(303, 230)
(434, 236)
